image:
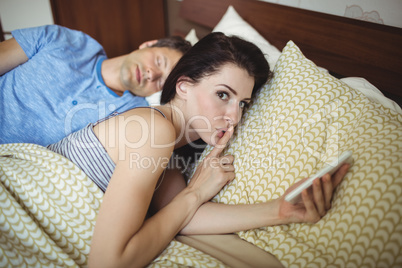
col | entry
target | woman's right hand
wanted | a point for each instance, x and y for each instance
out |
(214, 172)
(316, 201)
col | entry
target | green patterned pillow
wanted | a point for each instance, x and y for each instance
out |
(299, 120)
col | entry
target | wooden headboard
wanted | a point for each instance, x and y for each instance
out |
(346, 47)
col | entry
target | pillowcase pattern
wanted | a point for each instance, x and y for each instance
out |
(298, 122)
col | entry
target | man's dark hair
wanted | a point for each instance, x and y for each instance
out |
(176, 42)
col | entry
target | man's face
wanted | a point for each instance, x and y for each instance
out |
(145, 70)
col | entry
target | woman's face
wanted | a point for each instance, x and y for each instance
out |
(218, 101)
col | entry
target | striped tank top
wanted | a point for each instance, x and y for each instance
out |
(85, 150)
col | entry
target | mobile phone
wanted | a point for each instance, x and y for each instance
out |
(295, 195)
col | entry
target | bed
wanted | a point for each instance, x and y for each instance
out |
(336, 87)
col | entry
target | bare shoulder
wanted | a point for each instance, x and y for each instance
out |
(140, 129)
(149, 123)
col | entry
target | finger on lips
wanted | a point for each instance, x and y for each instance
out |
(221, 144)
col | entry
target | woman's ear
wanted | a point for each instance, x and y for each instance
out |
(182, 86)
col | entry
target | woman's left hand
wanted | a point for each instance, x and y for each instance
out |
(316, 200)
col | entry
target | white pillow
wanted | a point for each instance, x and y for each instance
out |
(371, 92)
(154, 99)
(232, 24)
(192, 37)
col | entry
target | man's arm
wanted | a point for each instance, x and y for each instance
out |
(11, 55)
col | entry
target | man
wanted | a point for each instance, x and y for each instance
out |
(54, 81)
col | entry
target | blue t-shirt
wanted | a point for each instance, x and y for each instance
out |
(59, 90)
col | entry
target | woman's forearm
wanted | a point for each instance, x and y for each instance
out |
(164, 225)
(153, 236)
(214, 218)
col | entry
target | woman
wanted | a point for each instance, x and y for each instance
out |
(203, 97)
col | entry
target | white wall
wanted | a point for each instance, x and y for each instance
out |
(15, 14)
(388, 12)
